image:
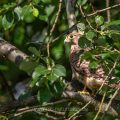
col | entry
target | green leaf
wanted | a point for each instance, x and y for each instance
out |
(81, 26)
(90, 35)
(8, 6)
(59, 70)
(80, 52)
(7, 21)
(57, 51)
(49, 9)
(82, 2)
(39, 70)
(43, 18)
(28, 66)
(56, 72)
(27, 13)
(38, 80)
(105, 55)
(93, 65)
(88, 55)
(19, 35)
(52, 77)
(116, 22)
(43, 118)
(113, 32)
(0, 22)
(44, 95)
(109, 56)
(39, 75)
(4, 68)
(101, 40)
(36, 1)
(117, 44)
(18, 11)
(99, 20)
(46, 1)
(33, 83)
(57, 88)
(35, 12)
(26, 10)
(34, 51)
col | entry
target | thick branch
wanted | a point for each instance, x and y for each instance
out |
(11, 52)
(8, 107)
(71, 14)
(114, 108)
(108, 11)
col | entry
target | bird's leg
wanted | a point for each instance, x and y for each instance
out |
(93, 93)
(84, 91)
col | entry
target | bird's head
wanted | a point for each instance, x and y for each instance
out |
(73, 38)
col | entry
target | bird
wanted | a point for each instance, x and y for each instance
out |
(91, 79)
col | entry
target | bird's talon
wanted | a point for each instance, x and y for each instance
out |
(84, 92)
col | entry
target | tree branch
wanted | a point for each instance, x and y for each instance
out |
(11, 52)
(102, 10)
(94, 102)
(88, 15)
(114, 108)
(108, 11)
(70, 14)
(8, 107)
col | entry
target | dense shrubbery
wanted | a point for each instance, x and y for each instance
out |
(27, 25)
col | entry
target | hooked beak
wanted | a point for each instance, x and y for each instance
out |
(65, 41)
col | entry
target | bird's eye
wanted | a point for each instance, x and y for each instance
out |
(71, 36)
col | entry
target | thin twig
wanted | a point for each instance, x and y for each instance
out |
(57, 16)
(83, 14)
(78, 112)
(23, 109)
(110, 72)
(38, 112)
(55, 103)
(92, 6)
(110, 49)
(88, 15)
(50, 117)
(46, 115)
(23, 112)
(110, 102)
(50, 110)
(64, 33)
(102, 10)
(100, 107)
(51, 31)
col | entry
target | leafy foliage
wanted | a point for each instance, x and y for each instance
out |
(27, 25)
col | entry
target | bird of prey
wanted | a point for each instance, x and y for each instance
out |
(80, 68)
